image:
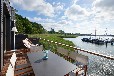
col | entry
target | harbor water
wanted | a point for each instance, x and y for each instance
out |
(97, 66)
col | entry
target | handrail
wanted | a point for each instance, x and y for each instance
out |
(108, 57)
(93, 53)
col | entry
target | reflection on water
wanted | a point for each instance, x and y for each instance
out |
(97, 66)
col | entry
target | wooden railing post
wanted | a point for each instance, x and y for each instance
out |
(76, 73)
(85, 70)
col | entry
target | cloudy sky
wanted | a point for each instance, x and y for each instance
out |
(74, 16)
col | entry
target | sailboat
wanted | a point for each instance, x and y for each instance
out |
(95, 40)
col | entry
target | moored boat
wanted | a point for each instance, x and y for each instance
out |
(96, 41)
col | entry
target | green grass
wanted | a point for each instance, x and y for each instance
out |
(55, 38)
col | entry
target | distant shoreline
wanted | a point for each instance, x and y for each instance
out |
(94, 35)
(68, 36)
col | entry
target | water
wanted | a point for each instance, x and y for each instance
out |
(97, 66)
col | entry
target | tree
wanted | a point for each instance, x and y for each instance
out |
(61, 32)
(26, 27)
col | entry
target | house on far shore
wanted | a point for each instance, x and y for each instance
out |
(7, 18)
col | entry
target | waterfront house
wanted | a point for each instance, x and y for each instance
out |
(7, 17)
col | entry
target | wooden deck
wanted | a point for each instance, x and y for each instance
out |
(23, 66)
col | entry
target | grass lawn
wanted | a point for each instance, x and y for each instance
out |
(55, 38)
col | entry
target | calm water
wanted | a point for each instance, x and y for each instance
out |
(97, 66)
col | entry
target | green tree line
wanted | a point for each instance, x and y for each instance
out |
(24, 26)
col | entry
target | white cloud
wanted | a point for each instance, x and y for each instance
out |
(75, 1)
(104, 9)
(40, 20)
(63, 17)
(75, 12)
(40, 6)
(55, 26)
(35, 19)
(48, 23)
(59, 7)
(65, 22)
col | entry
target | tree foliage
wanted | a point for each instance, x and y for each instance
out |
(24, 26)
(52, 31)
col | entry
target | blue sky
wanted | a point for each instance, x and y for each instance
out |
(71, 16)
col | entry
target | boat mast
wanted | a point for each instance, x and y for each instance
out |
(95, 33)
(106, 31)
